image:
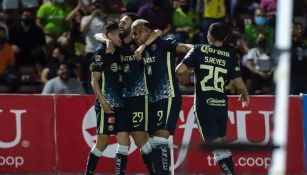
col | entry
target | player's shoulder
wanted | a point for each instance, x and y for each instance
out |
(168, 40)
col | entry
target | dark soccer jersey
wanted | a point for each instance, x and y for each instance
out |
(160, 60)
(214, 66)
(134, 81)
(109, 66)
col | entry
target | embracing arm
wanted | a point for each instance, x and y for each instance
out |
(152, 37)
(101, 37)
(183, 48)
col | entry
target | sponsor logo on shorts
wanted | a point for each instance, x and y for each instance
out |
(216, 102)
(111, 120)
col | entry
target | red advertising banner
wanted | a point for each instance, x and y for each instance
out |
(56, 133)
(26, 134)
(76, 135)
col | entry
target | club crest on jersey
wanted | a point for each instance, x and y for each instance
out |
(153, 47)
(114, 67)
(98, 57)
(126, 68)
(111, 127)
(132, 47)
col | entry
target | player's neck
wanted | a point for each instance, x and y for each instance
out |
(217, 44)
(128, 38)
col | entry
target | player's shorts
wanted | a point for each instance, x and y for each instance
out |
(109, 124)
(164, 114)
(212, 121)
(137, 112)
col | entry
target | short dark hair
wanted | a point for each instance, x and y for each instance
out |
(131, 15)
(111, 26)
(218, 31)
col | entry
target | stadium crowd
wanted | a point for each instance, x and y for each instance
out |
(37, 36)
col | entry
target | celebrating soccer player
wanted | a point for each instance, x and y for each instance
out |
(214, 65)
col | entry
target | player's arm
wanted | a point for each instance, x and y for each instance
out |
(183, 73)
(101, 37)
(152, 37)
(96, 76)
(240, 85)
(183, 48)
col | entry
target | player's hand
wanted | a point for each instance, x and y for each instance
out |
(99, 37)
(183, 78)
(138, 52)
(245, 99)
(110, 47)
(107, 108)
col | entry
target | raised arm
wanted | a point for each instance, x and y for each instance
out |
(96, 76)
(240, 85)
(70, 16)
(152, 37)
(101, 37)
(183, 48)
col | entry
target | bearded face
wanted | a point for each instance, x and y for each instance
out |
(124, 26)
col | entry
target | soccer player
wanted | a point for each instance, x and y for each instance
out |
(159, 60)
(109, 105)
(214, 65)
(135, 90)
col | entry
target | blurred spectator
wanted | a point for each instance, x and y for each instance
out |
(90, 25)
(241, 7)
(63, 83)
(73, 21)
(3, 18)
(298, 61)
(261, 65)
(7, 60)
(28, 41)
(158, 13)
(14, 4)
(251, 31)
(59, 56)
(186, 22)
(269, 6)
(214, 11)
(51, 17)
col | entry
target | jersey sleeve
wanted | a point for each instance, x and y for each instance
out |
(97, 59)
(235, 70)
(189, 59)
(172, 44)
